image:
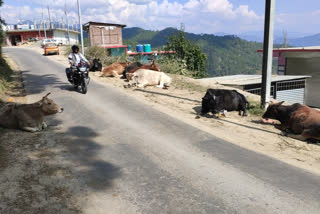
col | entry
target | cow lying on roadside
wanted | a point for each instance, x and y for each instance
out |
(144, 77)
(302, 121)
(114, 70)
(133, 67)
(28, 117)
(219, 100)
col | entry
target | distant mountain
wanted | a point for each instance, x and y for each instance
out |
(313, 40)
(257, 36)
(227, 55)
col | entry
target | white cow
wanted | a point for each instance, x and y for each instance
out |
(145, 77)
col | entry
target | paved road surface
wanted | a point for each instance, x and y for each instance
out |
(141, 160)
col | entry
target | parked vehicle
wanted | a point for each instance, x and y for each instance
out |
(51, 48)
(79, 76)
(45, 41)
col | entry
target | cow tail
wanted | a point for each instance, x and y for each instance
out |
(245, 100)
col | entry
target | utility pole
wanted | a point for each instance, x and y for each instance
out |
(81, 33)
(44, 25)
(65, 12)
(49, 17)
(267, 53)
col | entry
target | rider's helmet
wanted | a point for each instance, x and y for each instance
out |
(74, 47)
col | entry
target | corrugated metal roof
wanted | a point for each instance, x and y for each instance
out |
(86, 25)
(248, 79)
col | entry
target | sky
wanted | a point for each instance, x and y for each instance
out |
(198, 16)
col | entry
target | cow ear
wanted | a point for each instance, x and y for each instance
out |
(38, 104)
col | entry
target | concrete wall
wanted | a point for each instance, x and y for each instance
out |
(307, 66)
(62, 36)
(112, 35)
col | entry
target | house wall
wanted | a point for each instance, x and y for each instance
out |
(307, 66)
(62, 36)
(24, 36)
(105, 35)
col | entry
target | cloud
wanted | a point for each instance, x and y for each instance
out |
(199, 16)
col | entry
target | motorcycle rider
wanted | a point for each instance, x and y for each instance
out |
(74, 59)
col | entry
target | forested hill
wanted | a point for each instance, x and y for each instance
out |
(227, 55)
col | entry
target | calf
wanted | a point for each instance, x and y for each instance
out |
(114, 70)
(145, 77)
(302, 121)
(28, 117)
(217, 100)
(96, 65)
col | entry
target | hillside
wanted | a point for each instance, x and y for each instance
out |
(227, 55)
(313, 40)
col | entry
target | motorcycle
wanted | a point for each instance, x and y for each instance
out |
(79, 77)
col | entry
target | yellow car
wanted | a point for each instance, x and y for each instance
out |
(51, 48)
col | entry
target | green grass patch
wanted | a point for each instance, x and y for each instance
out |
(6, 79)
(255, 108)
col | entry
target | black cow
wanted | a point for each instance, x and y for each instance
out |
(96, 65)
(217, 100)
(131, 67)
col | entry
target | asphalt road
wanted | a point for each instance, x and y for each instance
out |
(144, 161)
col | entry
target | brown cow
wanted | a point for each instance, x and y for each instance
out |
(114, 70)
(28, 117)
(301, 120)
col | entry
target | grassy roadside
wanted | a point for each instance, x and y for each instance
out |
(6, 80)
(11, 84)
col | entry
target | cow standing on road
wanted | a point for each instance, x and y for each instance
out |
(302, 121)
(218, 100)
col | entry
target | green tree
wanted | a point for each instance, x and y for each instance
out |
(188, 52)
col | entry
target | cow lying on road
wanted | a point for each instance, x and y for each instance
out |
(133, 67)
(114, 70)
(218, 100)
(301, 120)
(28, 117)
(144, 77)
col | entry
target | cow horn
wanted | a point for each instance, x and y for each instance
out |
(280, 103)
(47, 95)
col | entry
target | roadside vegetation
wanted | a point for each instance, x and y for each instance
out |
(5, 71)
(5, 78)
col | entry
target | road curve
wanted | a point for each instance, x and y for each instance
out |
(145, 161)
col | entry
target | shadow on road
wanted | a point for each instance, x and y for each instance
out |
(82, 150)
(36, 84)
(168, 95)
